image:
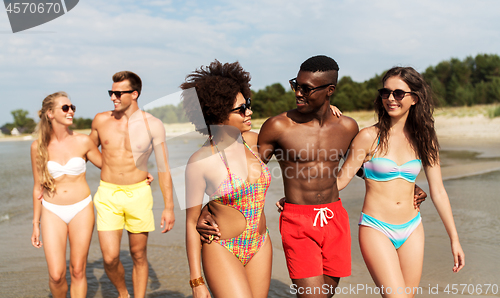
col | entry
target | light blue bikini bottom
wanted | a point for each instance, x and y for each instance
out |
(396, 233)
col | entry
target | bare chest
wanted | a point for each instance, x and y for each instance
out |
(133, 137)
(311, 145)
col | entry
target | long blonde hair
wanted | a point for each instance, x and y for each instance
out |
(44, 130)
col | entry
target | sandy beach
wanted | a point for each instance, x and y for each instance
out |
(470, 146)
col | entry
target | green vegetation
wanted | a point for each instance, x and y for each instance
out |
(26, 125)
(468, 82)
(21, 122)
(271, 101)
(455, 83)
(81, 123)
(169, 113)
(495, 112)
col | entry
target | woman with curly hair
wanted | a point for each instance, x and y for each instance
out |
(228, 169)
(58, 159)
(391, 235)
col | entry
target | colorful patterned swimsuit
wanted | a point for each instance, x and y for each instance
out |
(249, 199)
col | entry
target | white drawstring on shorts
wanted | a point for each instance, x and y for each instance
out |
(325, 214)
(125, 190)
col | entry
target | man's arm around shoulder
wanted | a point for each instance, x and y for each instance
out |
(350, 124)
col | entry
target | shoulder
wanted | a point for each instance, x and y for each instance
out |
(200, 156)
(153, 121)
(273, 128)
(34, 145)
(278, 122)
(101, 117)
(367, 134)
(250, 137)
(155, 125)
(349, 124)
(83, 139)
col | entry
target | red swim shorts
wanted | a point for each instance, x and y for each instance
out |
(316, 240)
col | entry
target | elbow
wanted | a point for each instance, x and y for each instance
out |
(341, 184)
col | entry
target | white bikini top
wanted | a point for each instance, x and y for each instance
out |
(74, 166)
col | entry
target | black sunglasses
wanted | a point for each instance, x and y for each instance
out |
(398, 93)
(118, 94)
(66, 108)
(244, 107)
(304, 89)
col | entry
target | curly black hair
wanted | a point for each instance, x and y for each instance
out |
(216, 88)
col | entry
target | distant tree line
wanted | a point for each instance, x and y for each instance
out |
(81, 123)
(26, 125)
(22, 123)
(474, 80)
(468, 82)
(169, 113)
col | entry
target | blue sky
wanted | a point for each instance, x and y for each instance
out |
(163, 41)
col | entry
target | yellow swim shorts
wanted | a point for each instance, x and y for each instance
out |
(129, 205)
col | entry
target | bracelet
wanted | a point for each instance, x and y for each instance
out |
(34, 222)
(196, 282)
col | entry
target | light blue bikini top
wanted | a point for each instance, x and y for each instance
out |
(74, 166)
(384, 169)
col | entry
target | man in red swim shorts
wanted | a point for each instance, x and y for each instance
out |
(316, 240)
(314, 226)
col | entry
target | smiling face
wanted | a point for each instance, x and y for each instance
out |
(398, 108)
(238, 119)
(317, 97)
(57, 115)
(125, 100)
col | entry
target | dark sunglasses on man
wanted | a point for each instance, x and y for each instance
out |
(243, 108)
(398, 93)
(66, 108)
(304, 89)
(118, 94)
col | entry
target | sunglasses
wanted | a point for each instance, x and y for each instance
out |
(118, 94)
(244, 107)
(398, 93)
(304, 89)
(66, 108)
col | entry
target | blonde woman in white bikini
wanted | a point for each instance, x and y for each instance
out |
(58, 160)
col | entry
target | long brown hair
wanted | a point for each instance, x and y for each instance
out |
(44, 130)
(419, 124)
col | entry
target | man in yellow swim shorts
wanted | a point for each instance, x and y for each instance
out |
(129, 205)
(127, 137)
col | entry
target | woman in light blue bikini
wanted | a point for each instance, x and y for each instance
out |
(391, 235)
(58, 160)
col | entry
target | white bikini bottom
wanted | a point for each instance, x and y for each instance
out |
(67, 212)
